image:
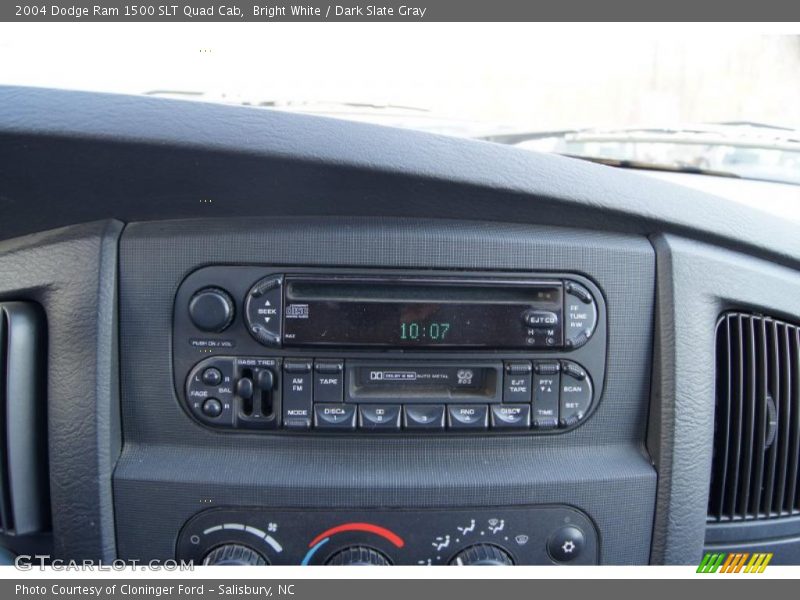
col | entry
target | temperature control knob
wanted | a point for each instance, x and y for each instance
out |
(359, 556)
(211, 309)
(482, 554)
(234, 554)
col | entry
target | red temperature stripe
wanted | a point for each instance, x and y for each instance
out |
(368, 527)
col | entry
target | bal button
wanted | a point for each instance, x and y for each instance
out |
(212, 376)
(566, 544)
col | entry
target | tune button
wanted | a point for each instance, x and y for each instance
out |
(212, 376)
(580, 318)
(212, 407)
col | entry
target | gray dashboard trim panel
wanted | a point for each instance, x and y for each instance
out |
(138, 158)
(696, 282)
(171, 467)
(72, 274)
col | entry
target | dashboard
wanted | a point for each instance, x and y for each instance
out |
(275, 339)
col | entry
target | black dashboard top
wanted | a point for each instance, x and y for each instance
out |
(69, 157)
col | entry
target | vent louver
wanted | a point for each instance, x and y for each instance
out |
(24, 503)
(757, 420)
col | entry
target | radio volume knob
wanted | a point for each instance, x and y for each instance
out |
(211, 309)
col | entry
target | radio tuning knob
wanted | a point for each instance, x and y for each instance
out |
(234, 554)
(482, 554)
(359, 556)
(211, 309)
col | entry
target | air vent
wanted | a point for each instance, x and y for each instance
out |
(24, 503)
(757, 425)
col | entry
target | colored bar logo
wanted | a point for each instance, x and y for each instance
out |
(736, 562)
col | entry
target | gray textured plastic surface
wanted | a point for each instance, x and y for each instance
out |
(171, 467)
(696, 283)
(71, 274)
(140, 158)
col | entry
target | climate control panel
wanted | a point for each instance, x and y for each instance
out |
(530, 535)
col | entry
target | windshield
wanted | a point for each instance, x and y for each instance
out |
(703, 100)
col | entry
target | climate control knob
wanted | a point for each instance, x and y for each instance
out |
(211, 309)
(234, 554)
(359, 556)
(482, 554)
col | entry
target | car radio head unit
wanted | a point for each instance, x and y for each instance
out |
(331, 351)
(405, 312)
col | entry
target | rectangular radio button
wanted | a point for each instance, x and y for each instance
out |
(296, 394)
(428, 417)
(517, 382)
(467, 416)
(379, 416)
(511, 416)
(328, 381)
(546, 383)
(335, 416)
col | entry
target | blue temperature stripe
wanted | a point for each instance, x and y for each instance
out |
(309, 555)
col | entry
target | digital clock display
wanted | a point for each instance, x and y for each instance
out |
(361, 312)
(413, 330)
